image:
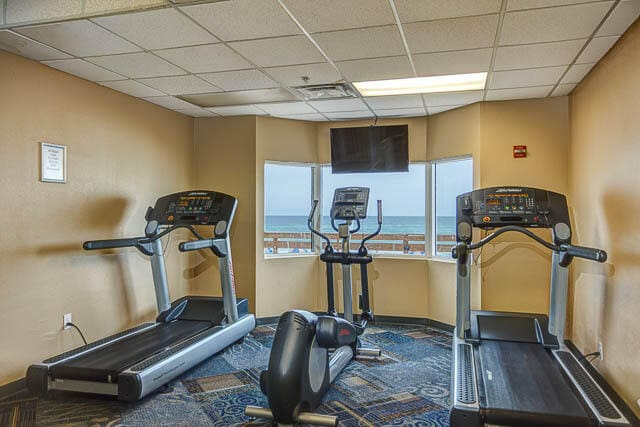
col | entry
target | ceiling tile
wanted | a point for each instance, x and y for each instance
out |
(519, 93)
(350, 115)
(15, 43)
(243, 19)
(137, 65)
(180, 85)
(536, 4)
(576, 73)
(306, 117)
(279, 51)
(79, 38)
(361, 43)
(315, 73)
(37, 10)
(394, 101)
(401, 112)
(238, 110)
(552, 24)
(596, 49)
(620, 19)
(331, 15)
(526, 78)
(458, 62)
(452, 34)
(537, 55)
(133, 88)
(207, 58)
(239, 80)
(452, 98)
(334, 105)
(392, 67)
(443, 108)
(157, 29)
(564, 89)
(81, 68)
(197, 112)
(170, 102)
(421, 10)
(280, 108)
(103, 6)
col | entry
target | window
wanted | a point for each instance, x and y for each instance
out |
(449, 179)
(403, 207)
(288, 191)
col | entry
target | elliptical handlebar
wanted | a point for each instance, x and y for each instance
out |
(314, 231)
(363, 249)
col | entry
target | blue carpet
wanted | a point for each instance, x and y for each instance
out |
(407, 386)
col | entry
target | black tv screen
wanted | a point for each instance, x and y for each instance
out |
(370, 149)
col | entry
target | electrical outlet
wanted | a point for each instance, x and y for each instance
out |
(600, 350)
(66, 319)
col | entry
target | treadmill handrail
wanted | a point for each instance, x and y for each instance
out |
(569, 251)
(216, 245)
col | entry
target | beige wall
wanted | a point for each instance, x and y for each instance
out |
(123, 153)
(515, 271)
(283, 283)
(604, 180)
(225, 153)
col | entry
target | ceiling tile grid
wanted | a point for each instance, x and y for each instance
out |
(239, 50)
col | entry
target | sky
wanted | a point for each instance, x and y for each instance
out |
(288, 188)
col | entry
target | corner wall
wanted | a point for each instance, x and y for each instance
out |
(122, 154)
(604, 180)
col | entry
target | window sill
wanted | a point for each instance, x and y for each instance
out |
(282, 256)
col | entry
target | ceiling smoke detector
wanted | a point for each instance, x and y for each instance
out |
(326, 91)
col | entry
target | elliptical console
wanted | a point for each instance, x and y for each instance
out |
(309, 351)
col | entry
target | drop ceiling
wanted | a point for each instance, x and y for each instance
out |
(247, 55)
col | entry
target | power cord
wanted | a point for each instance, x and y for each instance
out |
(593, 356)
(77, 329)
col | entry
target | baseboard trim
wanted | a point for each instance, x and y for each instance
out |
(379, 319)
(13, 390)
(418, 321)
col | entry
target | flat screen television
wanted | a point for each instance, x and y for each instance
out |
(370, 149)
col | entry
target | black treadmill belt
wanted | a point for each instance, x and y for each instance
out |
(523, 383)
(109, 361)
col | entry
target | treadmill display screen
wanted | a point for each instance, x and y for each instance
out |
(194, 208)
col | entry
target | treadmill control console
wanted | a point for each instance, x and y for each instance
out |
(349, 202)
(193, 208)
(504, 206)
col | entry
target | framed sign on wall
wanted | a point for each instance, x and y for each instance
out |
(53, 159)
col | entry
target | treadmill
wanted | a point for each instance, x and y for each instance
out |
(133, 363)
(515, 368)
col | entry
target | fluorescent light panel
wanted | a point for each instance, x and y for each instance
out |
(434, 84)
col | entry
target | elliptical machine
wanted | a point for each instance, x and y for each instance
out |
(301, 365)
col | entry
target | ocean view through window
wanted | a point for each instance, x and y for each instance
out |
(450, 177)
(403, 206)
(288, 191)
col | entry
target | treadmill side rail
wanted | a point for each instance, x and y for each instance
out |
(465, 410)
(134, 385)
(602, 408)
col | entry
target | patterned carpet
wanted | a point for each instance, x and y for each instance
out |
(408, 385)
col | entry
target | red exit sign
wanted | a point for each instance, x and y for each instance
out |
(519, 151)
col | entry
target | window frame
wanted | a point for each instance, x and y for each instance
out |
(430, 208)
(431, 201)
(314, 194)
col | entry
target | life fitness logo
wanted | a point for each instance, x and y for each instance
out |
(509, 190)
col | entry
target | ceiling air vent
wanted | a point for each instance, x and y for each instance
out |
(326, 91)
